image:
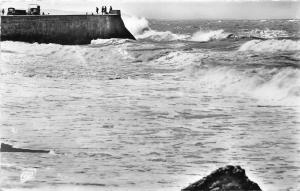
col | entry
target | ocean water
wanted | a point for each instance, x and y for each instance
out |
(154, 114)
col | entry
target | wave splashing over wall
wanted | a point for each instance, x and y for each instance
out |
(136, 25)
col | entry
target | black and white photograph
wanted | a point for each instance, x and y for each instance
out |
(150, 95)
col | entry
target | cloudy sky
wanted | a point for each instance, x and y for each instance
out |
(178, 9)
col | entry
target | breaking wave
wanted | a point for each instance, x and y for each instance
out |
(276, 85)
(139, 27)
(162, 36)
(293, 20)
(199, 36)
(270, 45)
(136, 25)
(204, 36)
(280, 84)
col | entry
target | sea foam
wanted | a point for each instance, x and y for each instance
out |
(111, 41)
(271, 45)
(277, 84)
(264, 33)
(162, 36)
(204, 36)
(139, 27)
(136, 25)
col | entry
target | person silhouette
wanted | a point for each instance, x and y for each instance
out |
(110, 9)
(97, 10)
(3, 11)
(102, 10)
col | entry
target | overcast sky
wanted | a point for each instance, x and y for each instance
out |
(178, 9)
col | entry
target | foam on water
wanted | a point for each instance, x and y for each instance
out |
(293, 20)
(39, 49)
(162, 36)
(136, 25)
(117, 111)
(139, 27)
(265, 33)
(112, 41)
(199, 36)
(278, 84)
(227, 77)
(270, 45)
(281, 87)
(204, 36)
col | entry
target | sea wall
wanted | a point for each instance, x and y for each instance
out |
(63, 29)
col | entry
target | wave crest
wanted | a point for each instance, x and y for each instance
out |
(279, 84)
(139, 27)
(162, 36)
(199, 36)
(136, 25)
(204, 36)
(270, 45)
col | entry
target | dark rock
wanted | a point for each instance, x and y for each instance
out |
(10, 148)
(228, 178)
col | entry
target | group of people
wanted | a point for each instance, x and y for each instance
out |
(104, 10)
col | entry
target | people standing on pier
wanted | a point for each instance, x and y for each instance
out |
(3, 11)
(102, 10)
(110, 9)
(97, 10)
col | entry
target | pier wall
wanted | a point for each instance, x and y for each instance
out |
(63, 29)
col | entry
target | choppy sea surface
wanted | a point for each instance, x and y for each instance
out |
(154, 114)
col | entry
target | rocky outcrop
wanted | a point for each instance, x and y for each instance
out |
(228, 178)
(10, 148)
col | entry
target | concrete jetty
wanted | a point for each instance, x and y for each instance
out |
(10, 148)
(63, 29)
